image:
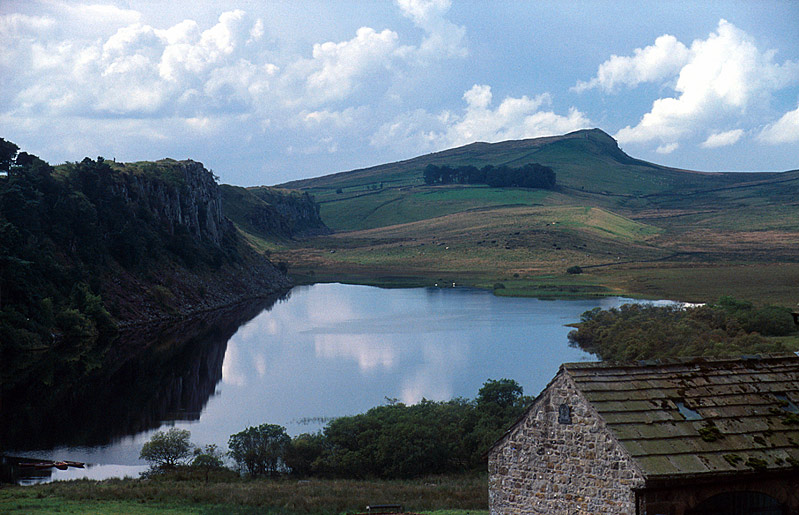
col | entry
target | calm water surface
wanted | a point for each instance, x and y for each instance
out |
(330, 350)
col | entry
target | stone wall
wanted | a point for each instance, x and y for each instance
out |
(561, 459)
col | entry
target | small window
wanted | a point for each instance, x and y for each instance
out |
(564, 414)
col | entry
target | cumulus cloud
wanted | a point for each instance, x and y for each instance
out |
(654, 63)
(141, 70)
(513, 118)
(723, 139)
(784, 130)
(723, 76)
(336, 70)
(443, 37)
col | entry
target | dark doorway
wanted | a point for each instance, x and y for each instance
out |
(739, 503)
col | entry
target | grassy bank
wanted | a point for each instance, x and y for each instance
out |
(437, 495)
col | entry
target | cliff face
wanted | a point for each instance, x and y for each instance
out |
(181, 193)
(183, 200)
(273, 212)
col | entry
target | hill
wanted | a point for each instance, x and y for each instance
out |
(637, 227)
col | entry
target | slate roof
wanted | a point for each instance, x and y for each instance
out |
(701, 416)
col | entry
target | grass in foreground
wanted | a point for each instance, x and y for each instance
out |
(437, 496)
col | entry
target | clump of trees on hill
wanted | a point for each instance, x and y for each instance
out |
(531, 175)
(643, 331)
(391, 441)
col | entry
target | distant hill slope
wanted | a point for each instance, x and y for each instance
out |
(590, 167)
(589, 159)
(606, 209)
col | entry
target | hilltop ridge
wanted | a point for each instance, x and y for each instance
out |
(593, 141)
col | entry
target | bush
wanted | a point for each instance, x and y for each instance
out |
(574, 270)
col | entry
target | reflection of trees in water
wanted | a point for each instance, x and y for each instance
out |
(163, 372)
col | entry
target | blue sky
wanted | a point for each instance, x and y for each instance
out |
(264, 92)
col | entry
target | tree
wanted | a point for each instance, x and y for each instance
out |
(432, 174)
(8, 152)
(260, 450)
(500, 394)
(303, 452)
(167, 449)
(499, 404)
(207, 458)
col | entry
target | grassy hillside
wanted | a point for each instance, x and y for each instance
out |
(624, 221)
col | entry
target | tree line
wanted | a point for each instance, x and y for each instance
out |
(730, 327)
(391, 441)
(531, 175)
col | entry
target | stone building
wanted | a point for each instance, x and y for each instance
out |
(677, 437)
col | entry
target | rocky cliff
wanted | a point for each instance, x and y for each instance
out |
(178, 193)
(215, 268)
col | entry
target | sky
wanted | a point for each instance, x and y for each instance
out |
(264, 92)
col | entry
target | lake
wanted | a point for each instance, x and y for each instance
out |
(322, 351)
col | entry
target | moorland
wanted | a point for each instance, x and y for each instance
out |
(630, 227)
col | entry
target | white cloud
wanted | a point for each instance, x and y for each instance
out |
(723, 139)
(513, 118)
(784, 130)
(369, 62)
(96, 16)
(139, 70)
(338, 119)
(725, 75)
(443, 37)
(656, 62)
(335, 69)
(668, 148)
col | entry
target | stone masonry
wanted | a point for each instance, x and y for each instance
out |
(560, 458)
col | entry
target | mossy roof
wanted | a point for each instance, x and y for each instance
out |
(699, 416)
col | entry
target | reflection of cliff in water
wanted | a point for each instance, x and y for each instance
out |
(164, 372)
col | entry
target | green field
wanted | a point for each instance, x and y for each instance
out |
(634, 228)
